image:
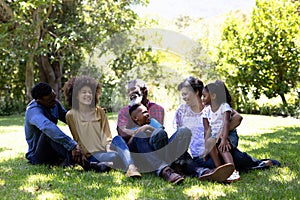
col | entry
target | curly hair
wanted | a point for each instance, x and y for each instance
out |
(72, 87)
(192, 83)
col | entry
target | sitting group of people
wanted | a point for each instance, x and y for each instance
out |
(204, 144)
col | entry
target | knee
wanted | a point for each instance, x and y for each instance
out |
(184, 132)
(116, 139)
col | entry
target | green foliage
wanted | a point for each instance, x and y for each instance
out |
(58, 36)
(11, 106)
(262, 57)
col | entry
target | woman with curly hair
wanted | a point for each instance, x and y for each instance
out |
(89, 126)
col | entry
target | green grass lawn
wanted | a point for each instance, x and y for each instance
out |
(260, 136)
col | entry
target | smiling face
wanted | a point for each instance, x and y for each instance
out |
(189, 96)
(140, 115)
(85, 96)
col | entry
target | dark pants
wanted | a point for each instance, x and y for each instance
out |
(244, 162)
(50, 152)
(146, 159)
(178, 144)
(158, 158)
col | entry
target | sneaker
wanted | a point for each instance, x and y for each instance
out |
(133, 172)
(235, 176)
(218, 174)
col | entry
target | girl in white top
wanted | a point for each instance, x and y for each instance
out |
(216, 119)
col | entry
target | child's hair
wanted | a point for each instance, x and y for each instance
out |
(192, 83)
(133, 108)
(40, 90)
(219, 88)
(73, 86)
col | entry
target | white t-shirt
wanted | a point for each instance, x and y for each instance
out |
(216, 119)
(185, 117)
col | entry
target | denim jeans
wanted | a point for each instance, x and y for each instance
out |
(244, 161)
(107, 157)
(50, 152)
(178, 144)
(144, 155)
(207, 162)
(118, 144)
(170, 149)
(234, 138)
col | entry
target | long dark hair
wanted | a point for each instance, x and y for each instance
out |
(222, 94)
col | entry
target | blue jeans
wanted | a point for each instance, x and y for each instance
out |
(244, 161)
(178, 143)
(207, 162)
(118, 144)
(234, 138)
(121, 158)
(50, 152)
(144, 155)
(170, 149)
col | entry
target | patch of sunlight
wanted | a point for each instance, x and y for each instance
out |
(262, 124)
(118, 177)
(133, 192)
(35, 181)
(285, 175)
(8, 155)
(49, 195)
(196, 192)
(2, 182)
(11, 129)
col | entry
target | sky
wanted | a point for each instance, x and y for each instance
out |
(195, 8)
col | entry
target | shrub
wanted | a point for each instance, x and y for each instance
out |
(10, 106)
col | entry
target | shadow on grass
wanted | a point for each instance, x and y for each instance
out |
(20, 180)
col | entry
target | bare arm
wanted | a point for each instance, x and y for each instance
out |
(236, 120)
(225, 145)
(207, 130)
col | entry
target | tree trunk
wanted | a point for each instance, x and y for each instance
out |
(5, 12)
(50, 73)
(283, 99)
(29, 76)
(29, 79)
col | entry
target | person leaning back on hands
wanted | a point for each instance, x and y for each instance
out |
(47, 143)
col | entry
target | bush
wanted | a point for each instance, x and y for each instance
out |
(10, 106)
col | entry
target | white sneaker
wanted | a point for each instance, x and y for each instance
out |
(235, 176)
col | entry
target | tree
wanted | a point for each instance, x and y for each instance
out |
(47, 40)
(263, 55)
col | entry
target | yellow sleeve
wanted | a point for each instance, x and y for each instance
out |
(104, 124)
(73, 130)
